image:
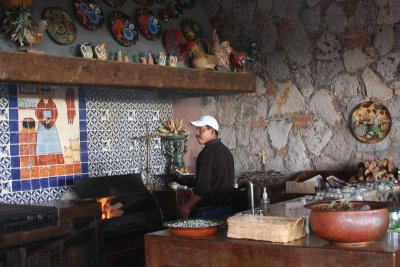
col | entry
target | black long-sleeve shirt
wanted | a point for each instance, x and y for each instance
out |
(214, 174)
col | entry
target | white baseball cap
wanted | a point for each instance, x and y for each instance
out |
(206, 120)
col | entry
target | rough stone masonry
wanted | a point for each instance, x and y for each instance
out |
(316, 60)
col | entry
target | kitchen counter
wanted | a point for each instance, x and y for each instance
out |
(68, 211)
(163, 249)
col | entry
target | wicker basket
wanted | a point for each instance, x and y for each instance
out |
(266, 228)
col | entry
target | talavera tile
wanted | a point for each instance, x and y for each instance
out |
(108, 122)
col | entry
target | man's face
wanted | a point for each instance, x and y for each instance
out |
(205, 134)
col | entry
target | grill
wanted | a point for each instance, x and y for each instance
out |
(137, 213)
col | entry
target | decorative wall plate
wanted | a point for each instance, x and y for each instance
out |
(123, 29)
(187, 3)
(60, 26)
(145, 2)
(191, 30)
(371, 122)
(89, 14)
(148, 24)
(115, 3)
(174, 10)
(175, 44)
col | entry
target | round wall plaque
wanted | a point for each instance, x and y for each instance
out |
(60, 26)
(371, 122)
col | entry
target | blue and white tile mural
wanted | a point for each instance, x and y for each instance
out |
(53, 135)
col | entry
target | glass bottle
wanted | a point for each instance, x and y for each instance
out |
(265, 206)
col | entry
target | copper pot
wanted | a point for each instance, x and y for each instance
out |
(349, 227)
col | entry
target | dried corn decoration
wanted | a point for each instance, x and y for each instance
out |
(172, 127)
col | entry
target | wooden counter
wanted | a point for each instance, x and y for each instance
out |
(67, 212)
(218, 250)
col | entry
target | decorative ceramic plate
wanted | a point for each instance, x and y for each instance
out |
(174, 10)
(148, 24)
(187, 3)
(123, 29)
(115, 3)
(371, 122)
(191, 30)
(175, 44)
(89, 14)
(60, 26)
(145, 2)
(193, 227)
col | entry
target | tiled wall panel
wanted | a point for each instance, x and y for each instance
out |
(107, 121)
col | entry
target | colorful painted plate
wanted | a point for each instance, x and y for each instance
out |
(175, 44)
(123, 29)
(115, 3)
(371, 122)
(191, 30)
(148, 24)
(187, 3)
(89, 14)
(60, 26)
(145, 2)
(174, 10)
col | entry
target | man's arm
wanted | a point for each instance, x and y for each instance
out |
(187, 207)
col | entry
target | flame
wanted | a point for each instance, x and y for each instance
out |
(105, 207)
(110, 211)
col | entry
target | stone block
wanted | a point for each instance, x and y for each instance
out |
(345, 86)
(375, 87)
(287, 101)
(329, 47)
(287, 9)
(357, 59)
(278, 132)
(316, 137)
(297, 158)
(326, 71)
(297, 46)
(324, 105)
(311, 18)
(384, 39)
(277, 67)
(336, 18)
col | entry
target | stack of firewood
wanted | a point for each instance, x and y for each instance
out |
(376, 170)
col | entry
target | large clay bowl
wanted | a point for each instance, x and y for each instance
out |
(352, 227)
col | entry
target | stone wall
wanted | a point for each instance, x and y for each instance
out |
(316, 60)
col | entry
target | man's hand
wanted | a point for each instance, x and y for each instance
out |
(184, 209)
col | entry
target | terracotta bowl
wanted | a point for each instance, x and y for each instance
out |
(352, 227)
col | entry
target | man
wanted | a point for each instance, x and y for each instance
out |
(212, 194)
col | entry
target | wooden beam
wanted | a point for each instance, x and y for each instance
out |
(47, 69)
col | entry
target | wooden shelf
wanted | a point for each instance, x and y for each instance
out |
(36, 68)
